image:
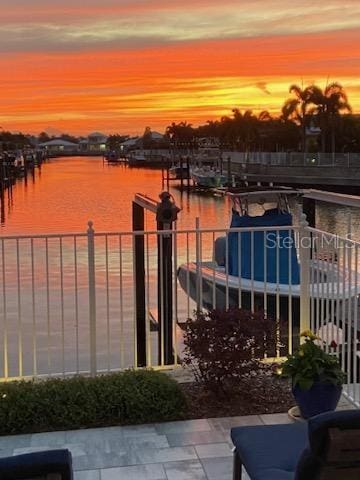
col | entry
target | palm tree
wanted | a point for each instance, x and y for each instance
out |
(329, 104)
(336, 103)
(296, 109)
(181, 132)
(245, 127)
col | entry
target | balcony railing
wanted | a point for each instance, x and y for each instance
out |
(72, 303)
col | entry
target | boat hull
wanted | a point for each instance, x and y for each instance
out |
(208, 285)
(209, 181)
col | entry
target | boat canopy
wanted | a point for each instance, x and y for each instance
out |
(271, 252)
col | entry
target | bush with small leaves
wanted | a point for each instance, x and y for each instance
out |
(131, 397)
(225, 346)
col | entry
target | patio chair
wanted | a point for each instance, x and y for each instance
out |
(45, 465)
(325, 448)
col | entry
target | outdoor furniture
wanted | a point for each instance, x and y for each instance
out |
(38, 465)
(327, 447)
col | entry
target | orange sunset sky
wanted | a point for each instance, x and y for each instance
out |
(118, 65)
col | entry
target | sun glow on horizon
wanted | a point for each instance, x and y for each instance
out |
(114, 77)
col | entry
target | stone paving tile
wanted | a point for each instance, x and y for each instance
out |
(195, 438)
(213, 450)
(21, 451)
(160, 455)
(228, 423)
(100, 460)
(123, 445)
(201, 425)
(75, 436)
(76, 450)
(218, 468)
(51, 439)
(136, 472)
(145, 441)
(15, 441)
(275, 418)
(139, 430)
(87, 475)
(188, 470)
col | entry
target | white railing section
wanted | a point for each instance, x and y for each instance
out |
(295, 159)
(334, 302)
(68, 301)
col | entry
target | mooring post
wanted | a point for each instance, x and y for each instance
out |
(229, 170)
(139, 284)
(188, 171)
(2, 204)
(309, 208)
(166, 214)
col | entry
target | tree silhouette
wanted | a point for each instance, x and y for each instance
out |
(296, 109)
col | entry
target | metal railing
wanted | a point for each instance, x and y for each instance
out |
(295, 159)
(334, 303)
(68, 301)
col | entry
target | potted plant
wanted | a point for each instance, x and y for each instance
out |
(316, 376)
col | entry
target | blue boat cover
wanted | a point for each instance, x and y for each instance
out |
(278, 246)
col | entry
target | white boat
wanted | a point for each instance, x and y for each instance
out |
(256, 265)
(207, 177)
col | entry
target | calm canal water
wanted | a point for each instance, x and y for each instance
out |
(68, 192)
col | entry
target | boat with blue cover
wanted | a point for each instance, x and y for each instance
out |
(256, 264)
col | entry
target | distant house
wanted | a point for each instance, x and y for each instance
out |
(94, 144)
(156, 136)
(129, 144)
(152, 140)
(59, 146)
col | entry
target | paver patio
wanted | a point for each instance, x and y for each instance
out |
(184, 450)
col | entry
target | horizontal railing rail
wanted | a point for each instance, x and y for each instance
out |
(295, 159)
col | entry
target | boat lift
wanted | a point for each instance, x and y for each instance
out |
(166, 214)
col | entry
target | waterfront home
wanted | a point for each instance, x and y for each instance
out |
(94, 144)
(59, 146)
(129, 144)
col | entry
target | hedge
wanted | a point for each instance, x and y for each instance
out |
(130, 397)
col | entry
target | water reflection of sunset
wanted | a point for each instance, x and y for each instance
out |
(54, 201)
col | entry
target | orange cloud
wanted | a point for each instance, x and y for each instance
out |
(124, 90)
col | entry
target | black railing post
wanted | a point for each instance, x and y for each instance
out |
(166, 214)
(139, 285)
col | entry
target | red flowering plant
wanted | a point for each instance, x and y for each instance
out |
(225, 346)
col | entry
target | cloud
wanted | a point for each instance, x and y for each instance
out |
(140, 24)
(263, 87)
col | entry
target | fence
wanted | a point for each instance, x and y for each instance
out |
(68, 302)
(334, 302)
(296, 159)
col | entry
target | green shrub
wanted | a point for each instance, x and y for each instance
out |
(131, 397)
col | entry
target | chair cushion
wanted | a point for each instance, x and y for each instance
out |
(308, 466)
(270, 452)
(319, 425)
(37, 464)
